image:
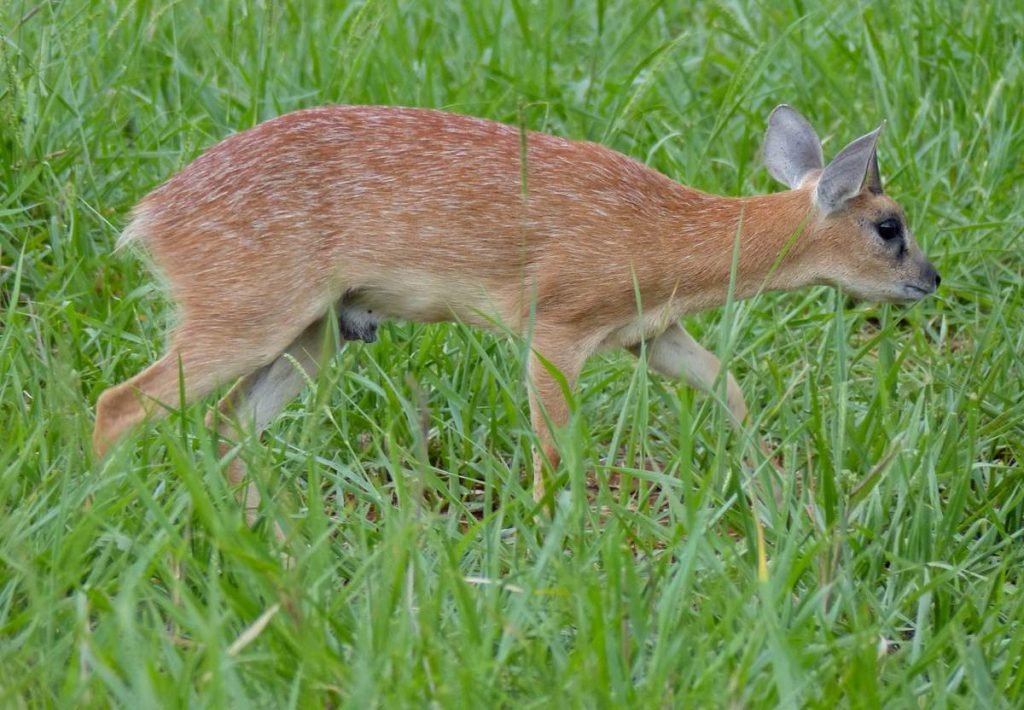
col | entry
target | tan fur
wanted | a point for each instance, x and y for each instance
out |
(422, 215)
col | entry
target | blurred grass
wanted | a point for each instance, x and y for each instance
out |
(893, 544)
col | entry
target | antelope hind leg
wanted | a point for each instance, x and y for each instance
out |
(256, 400)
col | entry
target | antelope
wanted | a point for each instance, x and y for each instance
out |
(366, 213)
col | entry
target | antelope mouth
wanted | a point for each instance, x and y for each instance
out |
(914, 292)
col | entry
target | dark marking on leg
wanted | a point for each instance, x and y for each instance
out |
(355, 323)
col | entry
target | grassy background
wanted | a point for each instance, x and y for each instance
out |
(893, 545)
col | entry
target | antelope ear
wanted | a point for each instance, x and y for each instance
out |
(872, 178)
(853, 170)
(791, 147)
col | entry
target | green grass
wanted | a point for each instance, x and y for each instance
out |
(419, 574)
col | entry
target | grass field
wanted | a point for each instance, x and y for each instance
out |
(890, 568)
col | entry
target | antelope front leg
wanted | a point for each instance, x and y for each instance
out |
(552, 356)
(676, 354)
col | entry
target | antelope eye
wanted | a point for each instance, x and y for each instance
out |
(889, 229)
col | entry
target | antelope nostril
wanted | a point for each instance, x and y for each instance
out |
(938, 279)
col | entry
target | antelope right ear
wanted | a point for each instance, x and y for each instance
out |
(853, 170)
(791, 147)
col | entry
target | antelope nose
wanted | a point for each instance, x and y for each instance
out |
(932, 276)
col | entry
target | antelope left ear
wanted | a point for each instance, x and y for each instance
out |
(853, 170)
(791, 147)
